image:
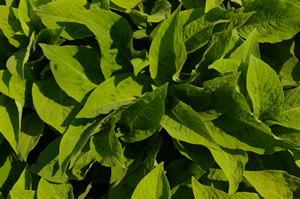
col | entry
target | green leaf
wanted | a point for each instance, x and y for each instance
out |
(154, 185)
(296, 156)
(115, 45)
(167, 52)
(190, 4)
(275, 20)
(22, 194)
(58, 14)
(248, 48)
(31, 131)
(9, 118)
(228, 65)
(81, 163)
(129, 4)
(216, 96)
(28, 18)
(75, 138)
(16, 63)
(104, 4)
(143, 117)
(210, 4)
(24, 182)
(264, 89)
(290, 111)
(220, 44)
(198, 32)
(10, 168)
(53, 105)
(184, 124)
(14, 87)
(48, 36)
(274, 184)
(160, 11)
(202, 191)
(47, 165)
(248, 133)
(49, 190)
(181, 170)
(10, 24)
(107, 148)
(232, 162)
(73, 69)
(111, 94)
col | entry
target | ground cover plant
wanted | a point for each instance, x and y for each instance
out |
(149, 99)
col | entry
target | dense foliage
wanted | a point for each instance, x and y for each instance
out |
(149, 99)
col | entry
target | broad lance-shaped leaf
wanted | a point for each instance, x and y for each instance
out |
(9, 119)
(9, 24)
(111, 94)
(206, 192)
(31, 131)
(106, 148)
(53, 105)
(167, 52)
(154, 185)
(264, 88)
(49, 190)
(248, 48)
(143, 117)
(115, 45)
(232, 162)
(275, 184)
(58, 14)
(290, 111)
(275, 20)
(75, 69)
(13, 87)
(184, 124)
(248, 133)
